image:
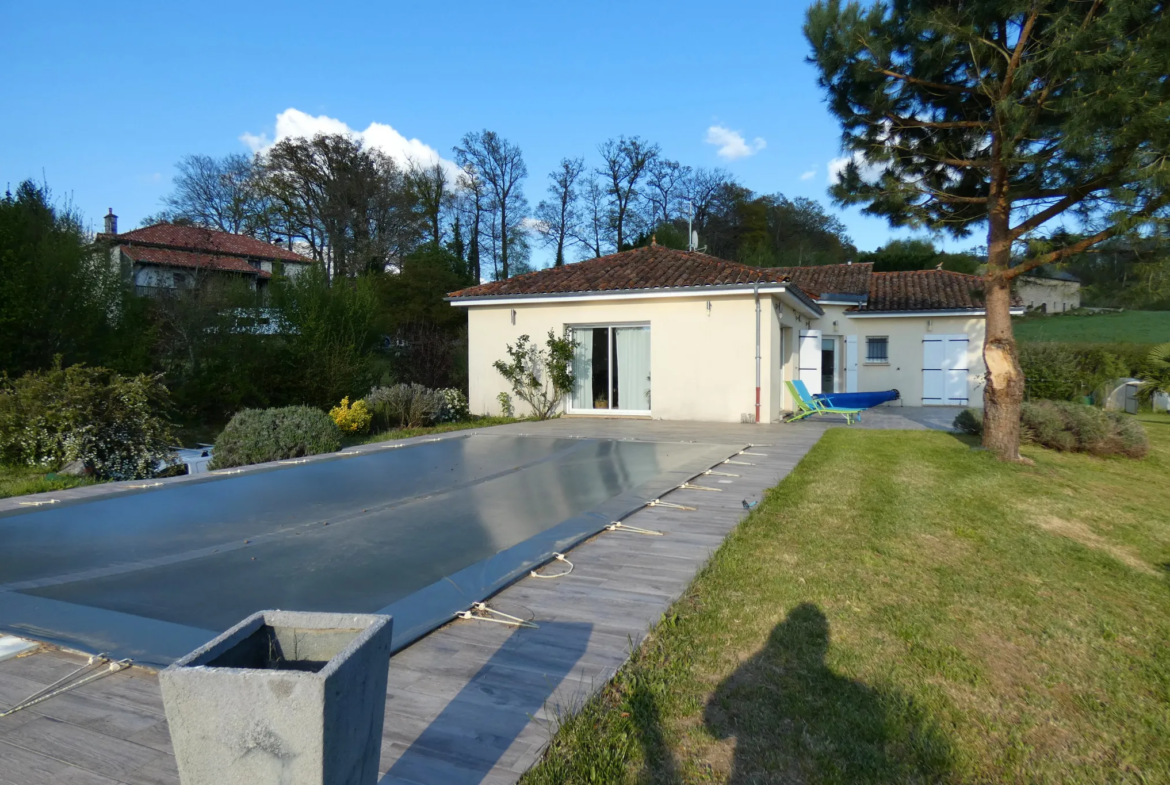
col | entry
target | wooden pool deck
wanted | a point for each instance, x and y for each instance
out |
(472, 702)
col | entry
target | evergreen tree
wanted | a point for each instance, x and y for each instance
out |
(1004, 114)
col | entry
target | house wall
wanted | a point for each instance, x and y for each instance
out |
(905, 334)
(702, 360)
(1047, 294)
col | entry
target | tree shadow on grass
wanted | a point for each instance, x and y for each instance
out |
(794, 719)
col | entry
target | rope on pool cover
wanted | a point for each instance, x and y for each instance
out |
(686, 486)
(660, 503)
(721, 474)
(558, 557)
(511, 621)
(618, 526)
(739, 463)
(56, 688)
(758, 454)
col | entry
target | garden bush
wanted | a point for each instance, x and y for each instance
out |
(1071, 427)
(455, 407)
(351, 419)
(405, 405)
(261, 435)
(969, 421)
(1068, 371)
(109, 422)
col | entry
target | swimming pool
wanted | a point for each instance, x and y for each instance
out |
(419, 532)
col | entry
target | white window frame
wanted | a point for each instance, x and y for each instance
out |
(609, 326)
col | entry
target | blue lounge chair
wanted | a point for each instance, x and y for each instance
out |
(806, 405)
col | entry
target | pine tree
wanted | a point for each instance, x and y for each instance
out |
(1008, 114)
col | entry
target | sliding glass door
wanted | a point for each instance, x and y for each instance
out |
(612, 368)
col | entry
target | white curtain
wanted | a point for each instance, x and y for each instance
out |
(633, 367)
(582, 369)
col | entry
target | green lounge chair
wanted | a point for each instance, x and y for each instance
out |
(806, 405)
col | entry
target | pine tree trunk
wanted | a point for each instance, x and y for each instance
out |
(1003, 392)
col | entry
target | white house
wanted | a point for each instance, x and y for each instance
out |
(1057, 292)
(165, 257)
(680, 335)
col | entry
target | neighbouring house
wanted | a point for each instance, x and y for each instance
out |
(680, 335)
(165, 258)
(1053, 291)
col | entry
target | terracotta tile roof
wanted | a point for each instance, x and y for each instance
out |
(171, 257)
(827, 279)
(924, 290)
(198, 238)
(654, 267)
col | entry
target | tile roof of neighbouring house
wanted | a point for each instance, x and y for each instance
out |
(198, 238)
(652, 267)
(923, 290)
(829, 279)
(173, 257)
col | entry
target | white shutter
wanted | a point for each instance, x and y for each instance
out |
(933, 382)
(956, 370)
(944, 370)
(850, 363)
(810, 360)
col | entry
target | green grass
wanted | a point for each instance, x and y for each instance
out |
(1126, 327)
(903, 608)
(476, 421)
(19, 480)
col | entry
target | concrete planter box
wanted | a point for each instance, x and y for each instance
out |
(282, 697)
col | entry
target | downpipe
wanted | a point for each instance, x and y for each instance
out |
(757, 292)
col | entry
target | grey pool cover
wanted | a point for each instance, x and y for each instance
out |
(419, 532)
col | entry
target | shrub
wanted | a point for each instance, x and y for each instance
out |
(351, 419)
(109, 422)
(1069, 427)
(261, 435)
(405, 405)
(1068, 371)
(454, 406)
(969, 421)
(539, 377)
(506, 407)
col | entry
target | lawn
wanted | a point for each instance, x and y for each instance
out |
(903, 608)
(1125, 327)
(19, 480)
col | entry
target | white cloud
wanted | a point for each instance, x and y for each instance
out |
(810, 174)
(869, 172)
(731, 144)
(293, 123)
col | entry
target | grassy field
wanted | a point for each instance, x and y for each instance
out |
(1125, 327)
(903, 608)
(19, 480)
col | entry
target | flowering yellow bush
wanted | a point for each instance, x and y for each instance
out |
(351, 419)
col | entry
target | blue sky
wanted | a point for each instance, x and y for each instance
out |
(101, 99)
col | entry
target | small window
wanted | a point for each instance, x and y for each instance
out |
(877, 349)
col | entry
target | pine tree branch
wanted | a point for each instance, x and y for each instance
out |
(905, 122)
(1079, 247)
(1017, 55)
(924, 83)
(1072, 198)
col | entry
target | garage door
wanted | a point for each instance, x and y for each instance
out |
(944, 370)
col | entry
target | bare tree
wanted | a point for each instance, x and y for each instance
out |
(433, 193)
(591, 230)
(664, 187)
(351, 205)
(500, 164)
(701, 189)
(559, 216)
(219, 193)
(471, 205)
(624, 164)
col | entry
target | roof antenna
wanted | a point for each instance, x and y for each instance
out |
(692, 236)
